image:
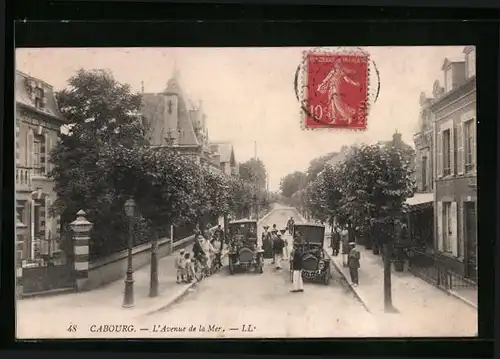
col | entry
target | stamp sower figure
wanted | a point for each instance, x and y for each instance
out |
(297, 283)
(353, 263)
(339, 110)
(279, 244)
(179, 266)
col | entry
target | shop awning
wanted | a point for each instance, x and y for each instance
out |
(420, 198)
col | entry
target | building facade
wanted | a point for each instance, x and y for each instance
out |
(454, 111)
(38, 123)
(173, 121)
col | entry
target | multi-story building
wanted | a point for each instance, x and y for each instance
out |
(454, 109)
(38, 123)
(421, 217)
(173, 121)
(223, 153)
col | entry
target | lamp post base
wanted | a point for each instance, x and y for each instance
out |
(128, 298)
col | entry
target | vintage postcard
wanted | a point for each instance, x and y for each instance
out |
(246, 192)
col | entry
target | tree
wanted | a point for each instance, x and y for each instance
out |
(240, 198)
(378, 180)
(102, 112)
(317, 165)
(292, 182)
(253, 171)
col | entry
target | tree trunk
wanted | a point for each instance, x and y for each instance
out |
(388, 307)
(153, 285)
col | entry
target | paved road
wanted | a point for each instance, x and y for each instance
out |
(263, 303)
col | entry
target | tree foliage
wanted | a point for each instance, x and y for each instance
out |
(369, 186)
(253, 171)
(292, 182)
(101, 112)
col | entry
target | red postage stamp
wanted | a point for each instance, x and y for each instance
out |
(336, 94)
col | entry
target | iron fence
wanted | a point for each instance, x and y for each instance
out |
(436, 272)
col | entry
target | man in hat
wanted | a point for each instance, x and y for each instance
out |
(267, 244)
(286, 253)
(297, 283)
(274, 237)
(278, 246)
(289, 225)
(353, 263)
(179, 266)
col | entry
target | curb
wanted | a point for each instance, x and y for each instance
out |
(48, 293)
(459, 297)
(176, 297)
(343, 277)
(339, 271)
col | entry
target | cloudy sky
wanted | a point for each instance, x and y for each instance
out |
(248, 93)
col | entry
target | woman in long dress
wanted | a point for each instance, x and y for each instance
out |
(339, 110)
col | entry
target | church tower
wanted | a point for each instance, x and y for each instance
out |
(171, 112)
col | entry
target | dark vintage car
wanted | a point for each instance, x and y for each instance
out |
(244, 252)
(316, 264)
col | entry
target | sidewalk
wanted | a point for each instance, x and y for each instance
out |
(104, 302)
(424, 310)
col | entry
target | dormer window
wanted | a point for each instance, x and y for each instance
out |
(470, 62)
(448, 80)
(39, 98)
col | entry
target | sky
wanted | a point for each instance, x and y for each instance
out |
(248, 94)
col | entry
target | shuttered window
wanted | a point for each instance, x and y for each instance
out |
(439, 155)
(469, 145)
(440, 222)
(447, 151)
(460, 149)
(453, 240)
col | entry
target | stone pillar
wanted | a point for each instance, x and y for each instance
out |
(81, 229)
(20, 238)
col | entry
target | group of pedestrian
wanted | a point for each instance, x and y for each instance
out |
(350, 255)
(275, 245)
(206, 252)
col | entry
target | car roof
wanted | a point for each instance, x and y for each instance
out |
(309, 224)
(243, 221)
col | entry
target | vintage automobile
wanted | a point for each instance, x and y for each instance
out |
(316, 264)
(244, 250)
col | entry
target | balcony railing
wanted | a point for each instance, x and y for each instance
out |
(23, 178)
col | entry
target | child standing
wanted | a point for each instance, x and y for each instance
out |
(180, 265)
(189, 267)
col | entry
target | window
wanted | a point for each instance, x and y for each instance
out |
(471, 63)
(38, 160)
(424, 173)
(447, 227)
(448, 80)
(469, 145)
(39, 98)
(446, 153)
(455, 151)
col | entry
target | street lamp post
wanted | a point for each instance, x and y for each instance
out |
(128, 297)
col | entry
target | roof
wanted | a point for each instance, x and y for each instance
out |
(242, 221)
(225, 149)
(310, 224)
(23, 86)
(419, 198)
(153, 109)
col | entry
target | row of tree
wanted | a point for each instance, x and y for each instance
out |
(365, 190)
(105, 158)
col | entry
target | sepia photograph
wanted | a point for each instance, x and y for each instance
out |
(272, 192)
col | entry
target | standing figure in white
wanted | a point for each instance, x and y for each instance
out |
(338, 108)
